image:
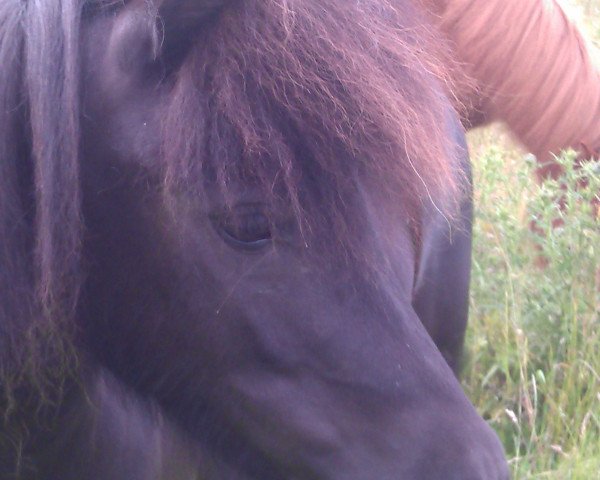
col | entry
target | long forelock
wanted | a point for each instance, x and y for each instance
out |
(359, 85)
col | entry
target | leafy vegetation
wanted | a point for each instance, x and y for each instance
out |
(533, 347)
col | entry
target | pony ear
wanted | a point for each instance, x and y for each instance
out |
(147, 33)
(179, 22)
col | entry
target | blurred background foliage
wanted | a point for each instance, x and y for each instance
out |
(533, 349)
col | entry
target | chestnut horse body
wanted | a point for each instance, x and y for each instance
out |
(229, 234)
(532, 69)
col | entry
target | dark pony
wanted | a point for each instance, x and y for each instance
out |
(339, 91)
(313, 103)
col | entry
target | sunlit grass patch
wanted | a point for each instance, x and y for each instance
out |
(534, 339)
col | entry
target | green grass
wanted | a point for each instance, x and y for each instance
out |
(533, 346)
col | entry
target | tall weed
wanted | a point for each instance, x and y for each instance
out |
(534, 341)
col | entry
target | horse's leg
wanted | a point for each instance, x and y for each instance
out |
(441, 294)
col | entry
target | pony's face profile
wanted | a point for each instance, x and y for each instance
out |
(252, 235)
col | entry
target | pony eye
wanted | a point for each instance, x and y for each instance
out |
(245, 228)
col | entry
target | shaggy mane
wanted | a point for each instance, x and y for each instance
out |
(40, 221)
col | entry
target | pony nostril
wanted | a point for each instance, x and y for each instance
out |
(480, 457)
(477, 469)
(476, 472)
(504, 472)
(490, 465)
